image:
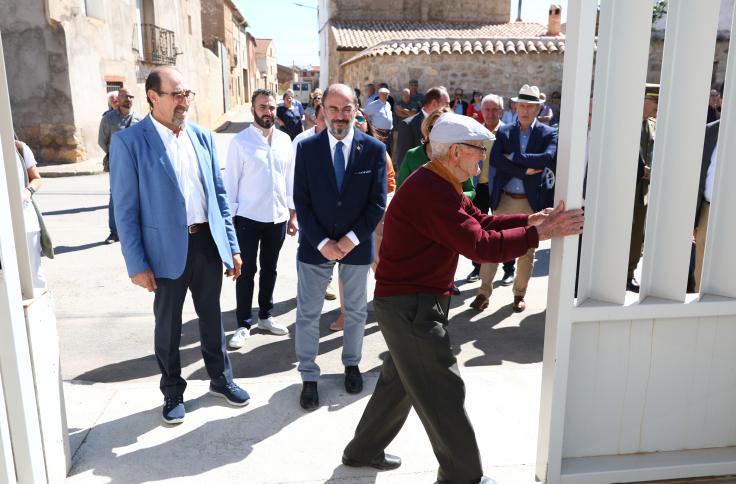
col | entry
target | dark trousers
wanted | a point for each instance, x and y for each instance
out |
(111, 215)
(482, 202)
(270, 237)
(421, 372)
(203, 277)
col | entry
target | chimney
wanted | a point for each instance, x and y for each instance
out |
(555, 20)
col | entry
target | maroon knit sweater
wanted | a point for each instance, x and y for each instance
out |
(429, 223)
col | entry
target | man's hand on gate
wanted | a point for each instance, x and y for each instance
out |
(560, 222)
(539, 217)
(331, 251)
(145, 279)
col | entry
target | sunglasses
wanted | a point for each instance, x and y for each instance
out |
(360, 119)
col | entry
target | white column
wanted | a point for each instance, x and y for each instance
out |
(571, 153)
(15, 362)
(620, 74)
(678, 147)
(7, 466)
(719, 266)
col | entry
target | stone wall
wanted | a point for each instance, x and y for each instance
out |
(57, 67)
(489, 11)
(488, 73)
(720, 55)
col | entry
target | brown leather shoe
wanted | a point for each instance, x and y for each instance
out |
(519, 304)
(339, 323)
(479, 303)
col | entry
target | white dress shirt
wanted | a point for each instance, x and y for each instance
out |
(180, 151)
(710, 176)
(290, 174)
(256, 175)
(347, 143)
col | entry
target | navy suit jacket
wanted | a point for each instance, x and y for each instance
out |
(323, 211)
(150, 213)
(541, 153)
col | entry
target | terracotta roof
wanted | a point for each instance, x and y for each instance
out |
(535, 45)
(355, 35)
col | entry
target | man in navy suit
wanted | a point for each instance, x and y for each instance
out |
(340, 196)
(175, 231)
(524, 155)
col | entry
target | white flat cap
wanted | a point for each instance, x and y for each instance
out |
(456, 128)
(383, 90)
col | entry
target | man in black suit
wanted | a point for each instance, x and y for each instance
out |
(705, 193)
(410, 129)
(339, 196)
(459, 105)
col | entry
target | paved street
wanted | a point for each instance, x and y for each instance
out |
(111, 378)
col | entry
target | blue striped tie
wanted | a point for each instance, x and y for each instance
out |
(339, 165)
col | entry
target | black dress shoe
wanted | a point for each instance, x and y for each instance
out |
(353, 380)
(473, 276)
(507, 279)
(112, 238)
(455, 290)
(384, 462)
(309, 399)
(632, 285)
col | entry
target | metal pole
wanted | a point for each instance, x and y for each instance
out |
(15, 360)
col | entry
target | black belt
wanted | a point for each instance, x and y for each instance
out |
(518, 196)
(196, 228)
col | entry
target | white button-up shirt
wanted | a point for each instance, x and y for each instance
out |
(290, 174)
(180, 151)
(347, 143)
(257, 175)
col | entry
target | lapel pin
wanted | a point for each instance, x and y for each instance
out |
(358, 147)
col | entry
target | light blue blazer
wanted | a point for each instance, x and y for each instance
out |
(150, 213)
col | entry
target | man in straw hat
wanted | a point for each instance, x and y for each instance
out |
(524, 154)
(428, 224)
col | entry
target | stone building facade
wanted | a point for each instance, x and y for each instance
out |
(63, 56)
(266, 62)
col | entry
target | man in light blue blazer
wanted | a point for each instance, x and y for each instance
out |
(176, 231)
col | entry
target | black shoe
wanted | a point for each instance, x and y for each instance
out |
(508, 278)
(455, 290)
(632, 285)
(353, 380)
(309, 399)
(384, 462)
(473, 276)
(112, 238)
(173, 411)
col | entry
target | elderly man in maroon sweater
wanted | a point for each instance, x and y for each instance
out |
(427, 225)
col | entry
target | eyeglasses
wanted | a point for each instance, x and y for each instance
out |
(126, 96)
(179, 95)
(482, 149)
(347, 110)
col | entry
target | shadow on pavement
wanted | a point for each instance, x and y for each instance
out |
(232, 128)
(215, 443)
(65, 249)
(75, 210)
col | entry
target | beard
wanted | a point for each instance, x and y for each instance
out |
(265, 122)
(178, 121)
(339, 132)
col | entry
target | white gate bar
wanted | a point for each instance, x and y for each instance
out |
(7, 466)
(15, 360)
(687, 63)
(620, 74)
(577, 70)
(719, 266)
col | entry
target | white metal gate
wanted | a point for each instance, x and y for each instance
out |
(640, 387)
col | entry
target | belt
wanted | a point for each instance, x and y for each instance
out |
(518, 196)
(196, 228)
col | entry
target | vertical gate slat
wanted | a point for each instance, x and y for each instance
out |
(678, 147)
(620, 75)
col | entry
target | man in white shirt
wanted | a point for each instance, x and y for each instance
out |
(175, 232)
(705, 195)
(257, 180)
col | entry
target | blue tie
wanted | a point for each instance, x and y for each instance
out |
(338, 162)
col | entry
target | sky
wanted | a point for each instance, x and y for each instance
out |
(297, 40)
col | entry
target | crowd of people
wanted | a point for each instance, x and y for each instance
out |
(326, 173)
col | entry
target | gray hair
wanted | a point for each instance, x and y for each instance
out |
(110, 96)
(440, 150)
(493, 97)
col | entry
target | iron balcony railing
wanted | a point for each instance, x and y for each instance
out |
(158, 45)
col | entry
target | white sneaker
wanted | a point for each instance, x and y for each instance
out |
(238, 338)
(330, 294)
(270, 325)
